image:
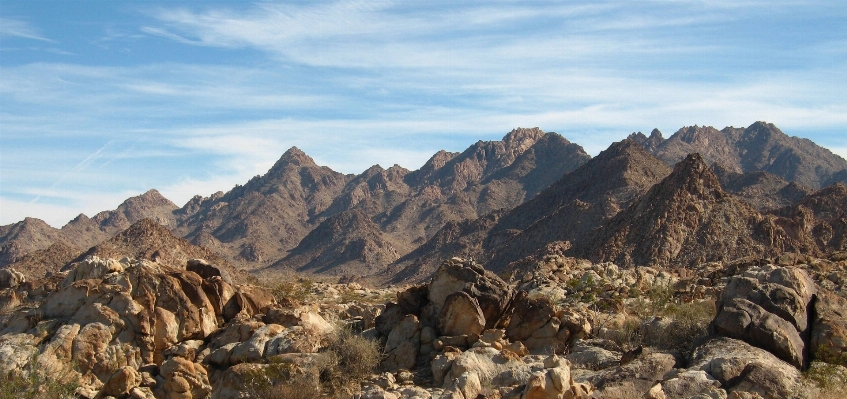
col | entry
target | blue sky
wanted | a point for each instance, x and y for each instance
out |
(102, 100)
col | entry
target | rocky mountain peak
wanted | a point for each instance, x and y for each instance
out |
(293, 156)
(649, 143)
(694, 176)
(519, 137)
(694, 134)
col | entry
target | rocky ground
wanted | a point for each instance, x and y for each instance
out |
(556, 328)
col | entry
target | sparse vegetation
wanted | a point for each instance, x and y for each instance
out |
(683, 322)
(292, 289)
(337, 370)
(35, 385)
(825, 381)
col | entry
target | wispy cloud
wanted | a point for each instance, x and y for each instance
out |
(17, 28)
(213, 94)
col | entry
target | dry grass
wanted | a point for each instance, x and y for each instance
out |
(17, 385)
(338, 370)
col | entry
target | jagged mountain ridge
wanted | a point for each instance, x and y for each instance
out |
(456, 204)
(577, 203)
(407, 208)
(761, 147)
(688, 219)
(29, 235)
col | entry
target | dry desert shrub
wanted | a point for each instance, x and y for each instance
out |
(34, 385)
(338, 370)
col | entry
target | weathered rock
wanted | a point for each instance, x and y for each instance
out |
(184, 379)
(592, 357)
(690, 383)
(548, 384)
(122, 382)
(637, 376)
(207, 271)
(251, 301)
(413, 299)
(491, 292)
(403, 344)
(92, 268)
(461, 315)
(528, 315)
(828, 340)
(467, 385)
(10, 278)
(389, 318)
(252, 350)
(727, 359)
(742, 319)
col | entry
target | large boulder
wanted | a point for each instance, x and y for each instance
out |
(10, 278)
(207, 270)
(769, 307)
(403, 344)
(491, 292)
(252, 350)
(742, 319)
(741, 367)
(635, 378)
(184, 379)
(828, 341)
(461, 315)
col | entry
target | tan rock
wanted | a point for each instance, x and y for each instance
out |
(184, 379)
(122, 382)
(252, 350)
(403, 344)
(461, 315)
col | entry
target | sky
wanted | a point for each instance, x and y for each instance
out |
(103, 100)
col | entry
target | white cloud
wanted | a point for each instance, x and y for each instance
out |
(16, 28)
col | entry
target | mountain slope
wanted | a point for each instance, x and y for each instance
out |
(346, 244)
(567, 210)
(257, 222)
(146, 239)
(762, 190)
(405, 209)
(761, 147)
(685, 218)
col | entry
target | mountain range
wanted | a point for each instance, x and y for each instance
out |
(703, 194)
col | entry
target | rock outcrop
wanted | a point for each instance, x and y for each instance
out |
(117, 327)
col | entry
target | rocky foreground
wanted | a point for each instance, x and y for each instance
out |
(564, 328)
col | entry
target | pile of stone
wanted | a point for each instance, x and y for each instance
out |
(140, 329)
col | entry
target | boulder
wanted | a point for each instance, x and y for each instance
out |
(252, 350)
(828, 341)
(491, 292)
(689, 383)
(461, 315)
(122, 382)
(769, 307)
(10, 278)
(413, 299)
(403, 344)
(184, 379)
(550, 383)
(635, 377)
(727, 360)
(389, 318)
(207, 271)
(742, 319)
(528, 315)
